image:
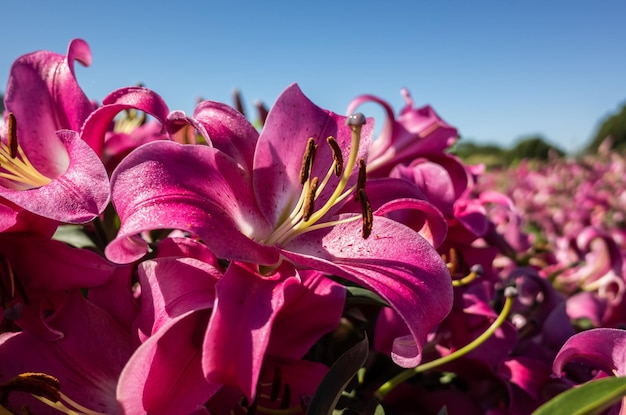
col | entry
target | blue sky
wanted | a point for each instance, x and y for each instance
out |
(496, 69)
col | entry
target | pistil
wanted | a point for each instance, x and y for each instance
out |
(14, 165)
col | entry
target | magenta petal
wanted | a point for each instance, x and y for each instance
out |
(139, 98)
(278, 158)
(193, 188)
(408, 273)
(528, 374)
(16, 219)
(186, 247)
(420, 216)
(46, 270)
(43, 93)
(116, 297)
(240, 328)
(87, 371)
(434, 182)
(164, 375)
(472, 215)
(184, 129)
(78, 195)
(311, 310)
(166, 296)
(601, 348)
(229, 131)
(382, 143)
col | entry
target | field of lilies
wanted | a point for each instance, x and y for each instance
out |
(157, 262)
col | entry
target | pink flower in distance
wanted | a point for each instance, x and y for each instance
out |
(416, 132)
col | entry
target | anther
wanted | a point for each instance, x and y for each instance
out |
(356, 119)
(38, 384)
(360, 184)
(307, 160)
(368, 215)
(12, 138)
(337, 156)
(309, 202)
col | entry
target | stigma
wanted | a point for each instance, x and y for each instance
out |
(15, 168)
(308, 212)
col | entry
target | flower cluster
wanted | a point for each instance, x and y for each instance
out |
(155, 262)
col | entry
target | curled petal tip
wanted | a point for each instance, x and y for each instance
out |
(356, 119)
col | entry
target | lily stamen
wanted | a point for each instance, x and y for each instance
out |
(360, 184)
(130, 121)
(304, 217)
(368, 215)
(14, 165)
(337, 156)
(307, 161)
(309, 201)
(45, 388)
(12, 138)
(475, 272)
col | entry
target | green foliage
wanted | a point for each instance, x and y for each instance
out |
(614, 127)
(1, 103)
(532, 147)
(471, 153)
(336, 380)
(589, 399)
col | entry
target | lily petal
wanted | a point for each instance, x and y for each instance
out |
(140, 98)
(44, 95)
(239, 331)
(164, 375)
(408, 274)
(229, 131)
(278, 158)
(602, 348)
(87, 371)
(77, 195)
(192, 188)
(165, 295)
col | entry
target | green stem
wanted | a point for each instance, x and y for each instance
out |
(409, 373)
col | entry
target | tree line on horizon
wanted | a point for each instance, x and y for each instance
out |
(611, 133)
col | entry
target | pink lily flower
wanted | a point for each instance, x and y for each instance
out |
(113, 140)
(86, 361)
(284, 209)
(602, 349)
(36, 273)
(415, 132)
(214, 328)
(45, 165)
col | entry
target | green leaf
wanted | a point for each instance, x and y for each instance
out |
(360, 295)
(589, 399)
(336, 380)
(74, 235)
